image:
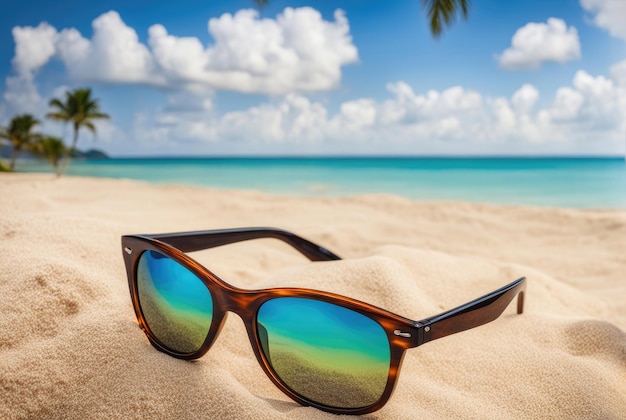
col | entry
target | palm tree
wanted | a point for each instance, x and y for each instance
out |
(52, 149)
(80, 109)
(19, 134)
(440, 12)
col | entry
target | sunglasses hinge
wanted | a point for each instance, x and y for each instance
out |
(422, 334)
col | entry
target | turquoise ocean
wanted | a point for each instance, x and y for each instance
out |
(553, 182)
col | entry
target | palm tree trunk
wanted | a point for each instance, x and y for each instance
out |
(13, 157)
(75, 141)
(58, 168)
(68, 157)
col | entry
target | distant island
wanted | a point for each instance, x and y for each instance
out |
(91, 154)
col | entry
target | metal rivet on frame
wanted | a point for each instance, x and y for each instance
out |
(427, 329)
(128, 250)
(402, 334)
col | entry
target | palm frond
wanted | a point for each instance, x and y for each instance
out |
(444, 12)
(90, 126)
(99, 115)
(57, 116)
(55, 103)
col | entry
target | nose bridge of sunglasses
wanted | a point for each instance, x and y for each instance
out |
(238, 301)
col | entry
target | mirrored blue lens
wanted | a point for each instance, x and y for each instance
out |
(327, 353)
(176, 305)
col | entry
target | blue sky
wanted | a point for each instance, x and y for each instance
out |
(345, 77)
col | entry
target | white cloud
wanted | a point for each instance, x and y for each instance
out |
(525, 99)
(567, 106)
(21, 95)
(33, 47)
(297, 51)
(586, 116)
(536, 43)
(114, 54)
(359, 113)
(294, 117)
(618, 74)
(277, 123)
(408, 107)
(608, 14)
(592, 109)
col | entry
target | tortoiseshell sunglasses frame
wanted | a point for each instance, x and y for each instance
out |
(403, 333)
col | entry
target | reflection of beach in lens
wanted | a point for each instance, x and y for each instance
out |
(175, 303)
(326, 353)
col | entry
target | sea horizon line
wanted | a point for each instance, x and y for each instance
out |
(350, 156)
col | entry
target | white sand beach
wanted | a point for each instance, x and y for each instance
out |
(70, 346)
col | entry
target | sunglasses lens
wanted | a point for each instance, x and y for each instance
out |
(326, 353)
(175, 303)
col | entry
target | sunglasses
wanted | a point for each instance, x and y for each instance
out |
(321, 349)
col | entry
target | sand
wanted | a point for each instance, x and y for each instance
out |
(70, 346)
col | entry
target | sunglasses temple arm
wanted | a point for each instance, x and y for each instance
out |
(475, 313)
(197, 241)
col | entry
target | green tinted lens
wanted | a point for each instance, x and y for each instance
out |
(175, 303)
(328, 354)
